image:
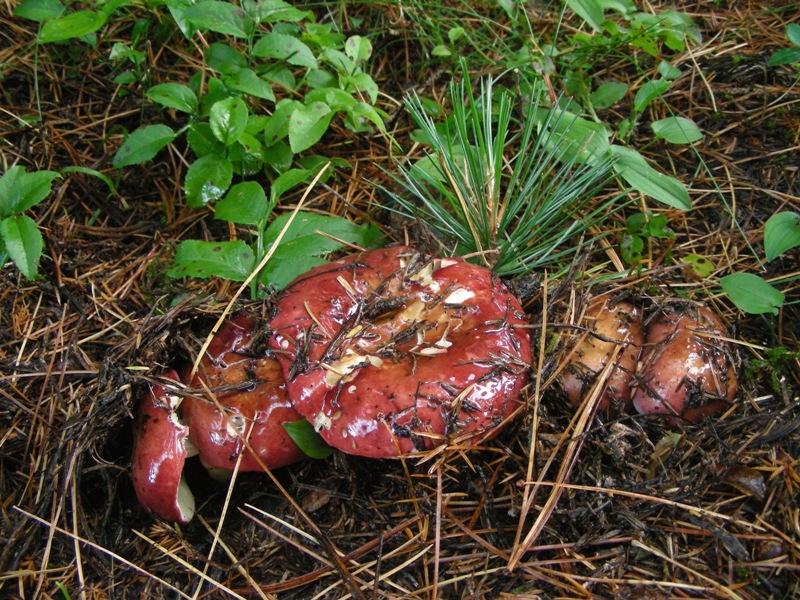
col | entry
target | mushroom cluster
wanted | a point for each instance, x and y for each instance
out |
(677, 363)
(386, 353)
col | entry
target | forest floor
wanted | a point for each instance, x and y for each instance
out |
(635, 510)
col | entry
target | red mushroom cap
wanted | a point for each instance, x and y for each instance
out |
(610, 325)
(685, 369)
(389, 351)
(257, 404)
(159, 453)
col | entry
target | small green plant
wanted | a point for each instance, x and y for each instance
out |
(513, 213)
(642, 227)
(752, 293)
(20, 239)
(272, 55)
(787, 56)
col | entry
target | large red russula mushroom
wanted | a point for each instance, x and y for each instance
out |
(248, 385)
(159, 453)
(389, 352)
(686, 367)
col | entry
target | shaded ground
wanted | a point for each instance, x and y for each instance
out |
(711, 512)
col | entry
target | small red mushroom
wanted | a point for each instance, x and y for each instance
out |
(389, 352)
(686, 367)
(248, 384)
(159, 453)
(609, 325)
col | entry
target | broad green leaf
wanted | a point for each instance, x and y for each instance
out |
(277, 127)
(700, 265)
(781, 233)
(274, 11)
(793, 34)
(636, 172)
(202, 141)
(71, 26)
(220, 17)
(142, 145)
(677, 130)
(285, 47)
(335, 97)
(230, 260)
(307, 439)
(649, 92)
(667, 71)
(362, 83)
(23, 243)
(174, 95)
(784, 56)
(608, 94)
(302, 246)
(39, 10)
(245, 203)
(576, 139)
(207, 180)
(752, 294)
(228, 120)
(20, 190)
(308, 124)
(225, 59)
(362, 116)
(287, 181)
(248, 82)
(588, 10)
(358, 49)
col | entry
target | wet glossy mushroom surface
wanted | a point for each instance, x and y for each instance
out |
(390, 352)
(609, 326)
(240, 395)
(686, 367)
(159, 453)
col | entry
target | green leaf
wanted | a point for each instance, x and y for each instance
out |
(588, 10)
(39, 10)
(230, 260)
(636, 172)
(142, 145)
(307, 439)
(793, 34)
(700, 265)
(248, 82)
(781, 233)
(677, 130)
(287, 181)
(649, 92)
(752, 294)
(308, 124)
(608, 94)
(784, 56)
(220, 17)
(221, 57)
(207, 180)
(578, 139)
(302, 246)
(228, 120)
(23, 243)
(71, 26)
(277, 127)
(358, 49)
(20, 190)
(667, 71)
(285, 47)
(245, 203)
(174, 95)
